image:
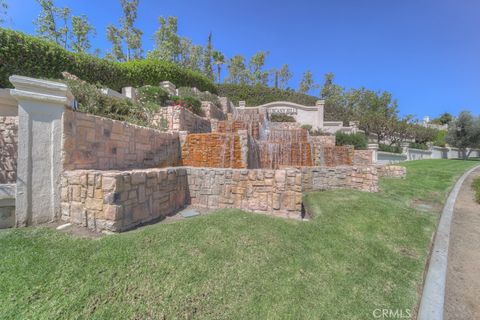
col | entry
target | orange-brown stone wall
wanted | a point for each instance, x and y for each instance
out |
(214, 150)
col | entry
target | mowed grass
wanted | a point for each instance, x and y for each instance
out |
(359, 253)
(476, 188)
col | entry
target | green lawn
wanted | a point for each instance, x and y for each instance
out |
(476, 189)
(360, 252)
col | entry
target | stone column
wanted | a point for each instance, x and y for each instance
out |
(169, 87)
(41, 105)
(374, 148)
(320, 104)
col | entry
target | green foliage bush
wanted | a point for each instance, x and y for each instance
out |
(387, 148)
(358, 140)
(257, 95)
(26, 55)
(190, 103)
(152, 96)
(420, 146)
(91, 100)
(476, 188)
(201, 95)
(440, 139)
(279, 117)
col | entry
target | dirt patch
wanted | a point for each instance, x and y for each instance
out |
(463, 271)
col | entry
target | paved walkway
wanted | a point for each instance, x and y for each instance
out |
(462, 292)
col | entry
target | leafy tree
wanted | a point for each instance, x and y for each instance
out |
(114, 35)
(81, 30)
(307, 83)
(237, 71)
(375, 111)
(218, 59)
(64, 15)
(256, 64)
(168, 45)
(46, 21)
(284, 75)
(3, 11)
(195, 58)
(336, 101)
(421, 134)
(126, 33)
(464, 133)
(207, 62)
(445, 118)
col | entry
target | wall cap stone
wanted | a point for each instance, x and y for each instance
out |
(41, 90)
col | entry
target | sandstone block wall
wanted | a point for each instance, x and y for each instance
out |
(318, 141)
(332, 156)
(362, 157)
(233, 126)
(215, 150)
(8, 149)
(176, 118)
(392, 171)
(118, 201)
(92, 142)
(211, 111)
(276, 192)
(349, 177)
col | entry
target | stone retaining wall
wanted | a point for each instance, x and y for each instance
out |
(176, 118)
(8, 149)
(392, 171)
(92, 142)
(215, 150)
(333, 156)
(362, 157)
(211, 111)
(276, 192)
(326, 141)
(118, 201)
(348, 177)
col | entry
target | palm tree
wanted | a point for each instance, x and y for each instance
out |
(218, 59)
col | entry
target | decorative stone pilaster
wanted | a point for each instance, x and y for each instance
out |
(41, 105)
(169, 87)
(129, 92)
(374, 148)
(242, 104)
(320, 104)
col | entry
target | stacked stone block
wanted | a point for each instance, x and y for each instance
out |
(214, 150)
(8, 149)
(211, 111)
(117, 201)
(276, 192)
(92, 142)
(347, 177)
(392, 171)
(177, 118)
(363, 157)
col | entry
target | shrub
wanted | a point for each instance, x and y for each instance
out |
(358, 140)
(201, 95)
(440, 139)
(307, 127)
(91, 100)
(152, 96)
(257, 95)
(476, 188)
(387, 148)
(279, 117)
(420, 146)
(26, 55)
(190, 103)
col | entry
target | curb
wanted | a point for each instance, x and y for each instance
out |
(433, 296)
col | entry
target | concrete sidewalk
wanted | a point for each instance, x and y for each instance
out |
(462, 292)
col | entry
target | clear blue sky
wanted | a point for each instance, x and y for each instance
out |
(426, 52)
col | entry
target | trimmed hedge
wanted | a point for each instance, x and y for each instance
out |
(26, 55)
(358, 140)
(257, 95)
(278, 117)
(387, 148)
